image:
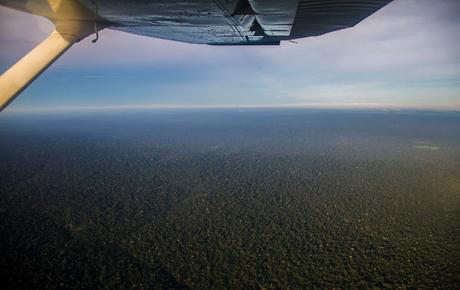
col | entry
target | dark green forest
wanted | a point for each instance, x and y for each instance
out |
(256, 199)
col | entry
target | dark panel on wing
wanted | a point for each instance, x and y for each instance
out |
(274, 16)
(315, 17)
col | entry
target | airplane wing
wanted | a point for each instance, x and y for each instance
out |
(241, 22)
(215, 22)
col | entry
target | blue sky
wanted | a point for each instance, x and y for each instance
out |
(405, 55)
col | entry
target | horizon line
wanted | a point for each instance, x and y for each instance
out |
(337, 106)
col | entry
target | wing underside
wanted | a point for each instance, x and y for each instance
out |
(236, 21)
(225, 22)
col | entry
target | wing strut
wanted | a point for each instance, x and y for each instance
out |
(21, 74)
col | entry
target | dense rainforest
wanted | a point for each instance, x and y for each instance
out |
(255, 199)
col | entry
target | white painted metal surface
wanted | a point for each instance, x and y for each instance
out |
(20, 75)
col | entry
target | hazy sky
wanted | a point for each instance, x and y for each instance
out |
(407, 54)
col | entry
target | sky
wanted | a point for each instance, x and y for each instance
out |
(404, 56)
